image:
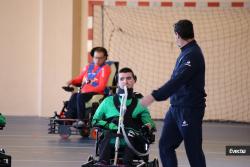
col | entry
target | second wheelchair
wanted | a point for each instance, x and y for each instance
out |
(60, 124)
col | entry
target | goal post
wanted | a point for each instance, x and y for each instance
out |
(139, 34)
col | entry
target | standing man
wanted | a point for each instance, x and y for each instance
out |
(185, 88)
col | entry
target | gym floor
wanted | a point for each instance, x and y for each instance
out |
(27, 141)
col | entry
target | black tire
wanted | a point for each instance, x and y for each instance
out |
(145, 158)
(84, 132)
(154, 163)
(90, 158)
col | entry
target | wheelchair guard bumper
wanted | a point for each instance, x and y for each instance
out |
(94, 163)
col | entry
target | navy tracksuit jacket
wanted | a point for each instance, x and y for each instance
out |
(187, 99)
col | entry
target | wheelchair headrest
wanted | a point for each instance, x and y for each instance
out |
(114, 65)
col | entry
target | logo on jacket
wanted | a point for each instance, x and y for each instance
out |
(184, 123)
(188, 63)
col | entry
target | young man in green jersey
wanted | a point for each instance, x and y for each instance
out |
(107, 115)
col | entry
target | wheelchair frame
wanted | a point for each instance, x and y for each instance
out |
(92, 161)
(63, 127)
(141, 158)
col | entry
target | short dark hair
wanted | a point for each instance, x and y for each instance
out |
(184, 28)
(126, 70)
(99, 49)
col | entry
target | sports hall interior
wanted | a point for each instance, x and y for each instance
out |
(45, 43)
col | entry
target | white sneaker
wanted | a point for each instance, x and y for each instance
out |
(78, 124)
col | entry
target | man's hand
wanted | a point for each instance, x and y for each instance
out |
(111, 126)
(147, 100)
(86, 81)
(148, 125)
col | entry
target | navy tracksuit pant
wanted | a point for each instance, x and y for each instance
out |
(76, 105)
(182, 124)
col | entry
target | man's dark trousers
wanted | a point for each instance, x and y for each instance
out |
(182, 124)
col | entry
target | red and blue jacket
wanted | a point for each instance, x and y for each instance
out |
(96, 75)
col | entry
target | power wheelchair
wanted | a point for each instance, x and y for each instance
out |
(5, 160)
(59, 124)
(138, 160)
(136, 141)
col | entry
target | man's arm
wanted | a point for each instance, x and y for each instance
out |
(78, 80)
(186, 70)
(99, 117)
(147, 100)
(146, 118)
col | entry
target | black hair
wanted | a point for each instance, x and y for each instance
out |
(99, 49)
(184, 28)
(126, 70)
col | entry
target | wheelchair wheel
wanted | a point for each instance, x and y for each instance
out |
(90, 163)
(64, 131)
(145, 158)
(154, 163)
(84, 132)
(90, 158)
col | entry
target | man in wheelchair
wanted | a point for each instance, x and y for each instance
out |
(96, 81)
(92, 80)
(137, 122)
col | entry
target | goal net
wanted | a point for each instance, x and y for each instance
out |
(142, 38)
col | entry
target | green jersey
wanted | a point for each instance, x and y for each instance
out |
(108, 110)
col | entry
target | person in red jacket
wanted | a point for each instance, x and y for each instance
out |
(93, 80)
